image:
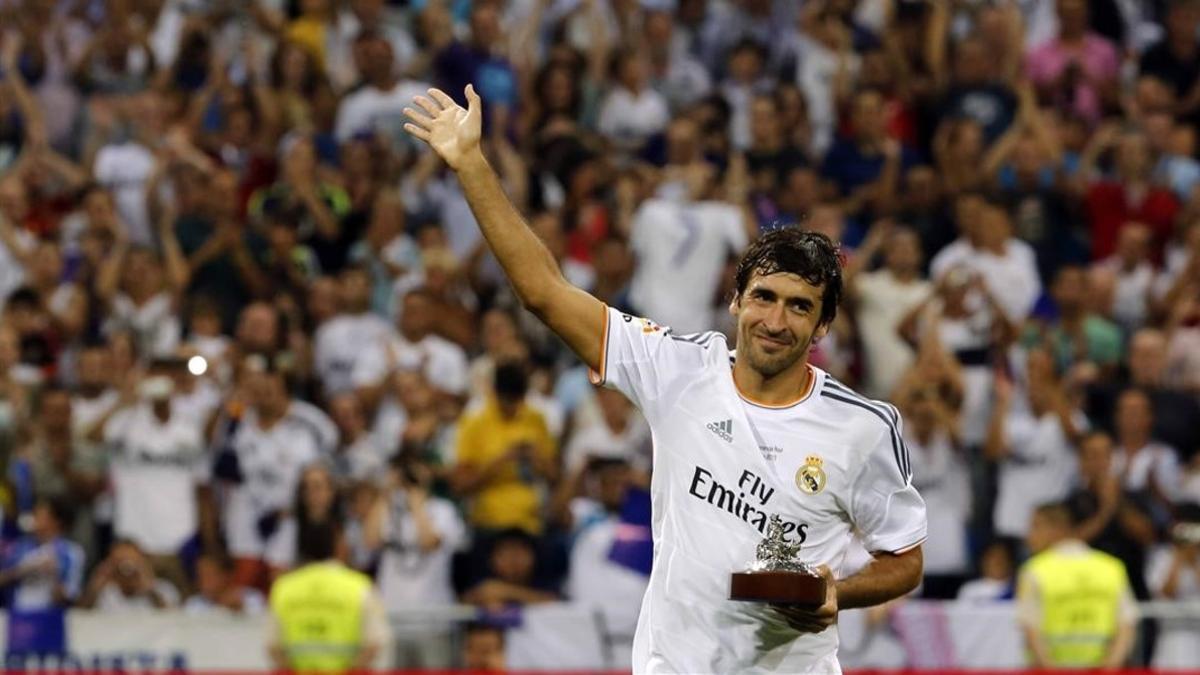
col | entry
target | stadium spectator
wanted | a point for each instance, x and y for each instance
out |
(231, 181)
(1034, 447)
(512, 564)
(1145, 463)
(995, 581)
(44, 570)
(215, 590)
(159, 472)
(269, 445)
(1110, 516)
(504, 453)
(483, 648)
(125, 580)
(597, 493)
(1173, 574)
(418, 533)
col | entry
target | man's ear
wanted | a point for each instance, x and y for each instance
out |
(735, 303)
(820, 332)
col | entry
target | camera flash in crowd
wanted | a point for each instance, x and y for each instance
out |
(197, 365)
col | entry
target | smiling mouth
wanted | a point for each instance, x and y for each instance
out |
(774, 342)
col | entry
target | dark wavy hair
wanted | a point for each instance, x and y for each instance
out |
(811, 256)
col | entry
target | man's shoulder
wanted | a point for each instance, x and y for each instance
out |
(868, 416)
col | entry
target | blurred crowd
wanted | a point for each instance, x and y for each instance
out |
(237, 298)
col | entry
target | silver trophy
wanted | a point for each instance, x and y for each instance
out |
(778, 575)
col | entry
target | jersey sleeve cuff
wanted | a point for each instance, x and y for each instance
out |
(897, 545)
(600, 377)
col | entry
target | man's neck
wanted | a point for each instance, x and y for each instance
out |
(1134, 442)
(782, 389)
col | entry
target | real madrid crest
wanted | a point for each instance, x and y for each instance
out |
(810, 477)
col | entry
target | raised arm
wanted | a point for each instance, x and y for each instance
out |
(454, 133)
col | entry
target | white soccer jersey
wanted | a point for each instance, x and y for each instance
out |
(340, 344)
(271, 461)
(830, 464)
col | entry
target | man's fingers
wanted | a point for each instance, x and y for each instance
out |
(420, 119)
(472, 97)
(443, 98)
(428, 106)
(416, 131)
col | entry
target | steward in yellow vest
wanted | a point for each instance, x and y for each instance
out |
(1074, 602)
(326, 616)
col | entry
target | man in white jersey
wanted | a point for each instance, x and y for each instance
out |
(736, 440)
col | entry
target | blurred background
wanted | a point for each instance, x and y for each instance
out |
(239, 301)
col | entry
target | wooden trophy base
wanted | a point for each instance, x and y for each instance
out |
(780, 588)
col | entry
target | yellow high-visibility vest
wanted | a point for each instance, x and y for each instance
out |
(1080, 603)
(320, 612)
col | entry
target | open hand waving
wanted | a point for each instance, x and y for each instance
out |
(451, 131)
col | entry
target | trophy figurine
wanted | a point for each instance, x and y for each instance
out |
(777, 576)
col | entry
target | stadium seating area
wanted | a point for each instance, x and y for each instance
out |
(238, 298)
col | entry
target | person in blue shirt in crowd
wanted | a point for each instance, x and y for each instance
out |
(42, 574)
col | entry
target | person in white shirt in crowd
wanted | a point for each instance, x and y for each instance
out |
(159, 472)
(674, 72)
(140, 295)
(417, 347)
(348, 337)
(275, 438)
(1144, 463)
(216, 592)
(356, 17)
(927, 399)
(1173, 575)
(1035, 447)
(682, 240)
(377, 107)
(126, 581)
(1007, 265)
(359, 456)
(882, 298)
(418, 534)
(632, 111)
(589, 506)
(1123, 282)
(995, 582)
(620, 433)
(126, 161)
(745, 80)
(93, 394)
(963, 318)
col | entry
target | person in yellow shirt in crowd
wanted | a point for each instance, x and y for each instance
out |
(1074, 603)
(325, 617)
(505, 458)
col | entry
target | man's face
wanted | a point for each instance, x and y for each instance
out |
(868, 115)
(764, 120)
(903, 252)
(258, 328)
(777, 321)
(512, 561)
(485, 25)
(1095, 457)
(1070, 289)
(1134, 415)
(417, 320)
(354, 289)
(347, 414)
(1147, 357)
(94, 370)
(56, 412)
(483, 651)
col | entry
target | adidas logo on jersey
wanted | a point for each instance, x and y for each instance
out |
(722, 429)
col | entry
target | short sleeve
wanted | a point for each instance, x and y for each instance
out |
(885, 508)
(642, 359)
(466, 444)
(117, 427)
